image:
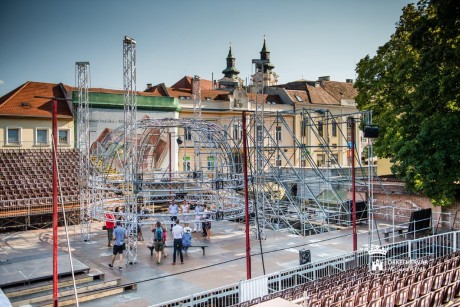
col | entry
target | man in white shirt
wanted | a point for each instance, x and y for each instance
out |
(177, 232)
(173, 210)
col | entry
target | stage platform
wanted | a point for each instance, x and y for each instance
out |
(224, 263)
(27, 269)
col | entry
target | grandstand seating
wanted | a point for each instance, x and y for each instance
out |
(433, 282)
(27, 173)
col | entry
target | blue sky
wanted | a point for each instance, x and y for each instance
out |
(42, 40)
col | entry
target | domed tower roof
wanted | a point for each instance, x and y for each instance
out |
(265, 55)
(230, 72)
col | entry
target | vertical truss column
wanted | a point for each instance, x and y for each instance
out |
(259, 174)
(82, 71)
(197, 97)
(130, 146)
(197, 163)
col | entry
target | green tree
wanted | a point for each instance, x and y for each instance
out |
(412, 86)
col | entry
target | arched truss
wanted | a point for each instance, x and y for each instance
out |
(212, 177)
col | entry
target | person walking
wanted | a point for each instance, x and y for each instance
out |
(109, 225)
(177, 232)
(119, 235)
(158, 241)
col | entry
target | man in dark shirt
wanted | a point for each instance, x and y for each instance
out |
(119, 235)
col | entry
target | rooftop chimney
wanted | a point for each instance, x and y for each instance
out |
(349, 80)
(149, 85)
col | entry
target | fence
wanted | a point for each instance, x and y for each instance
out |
(431, 246)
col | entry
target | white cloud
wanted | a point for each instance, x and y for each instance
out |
(1, 82)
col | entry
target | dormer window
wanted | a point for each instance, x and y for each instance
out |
(25, 104)
(299, 99)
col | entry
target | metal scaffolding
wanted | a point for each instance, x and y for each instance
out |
(82, 76)
(298, 193)
(130, 147)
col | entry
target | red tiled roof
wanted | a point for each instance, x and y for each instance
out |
(187, 83)
(117, 92)
(272, 98)
(22, 101)
(320, 96)
(340, 90)
(205, 94)
(302, 94)
(158, 90)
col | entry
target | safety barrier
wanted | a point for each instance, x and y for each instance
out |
(431, 246)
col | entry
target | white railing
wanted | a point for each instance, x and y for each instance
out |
(435, 246)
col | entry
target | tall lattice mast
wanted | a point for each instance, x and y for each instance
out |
(197, 97)
(196, 88)
(130, 146)
(259, 171)
(82, 71)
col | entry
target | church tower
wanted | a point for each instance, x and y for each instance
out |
(230, 80)
(269, 77)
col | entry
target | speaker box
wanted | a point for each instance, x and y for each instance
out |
(371, 132)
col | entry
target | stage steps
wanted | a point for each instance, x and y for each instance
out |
(90, 286)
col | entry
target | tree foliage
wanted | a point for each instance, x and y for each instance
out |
(412, 86)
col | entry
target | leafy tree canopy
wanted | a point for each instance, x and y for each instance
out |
(412, 86)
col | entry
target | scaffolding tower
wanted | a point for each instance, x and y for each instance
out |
(130, 147)
(82, 76)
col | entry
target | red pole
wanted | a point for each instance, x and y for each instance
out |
(55, 206)
(246, 198)
(353, 180)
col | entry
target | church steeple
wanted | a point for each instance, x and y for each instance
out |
(231, 71)
(265, 55)
(230, 79)
(264, 74)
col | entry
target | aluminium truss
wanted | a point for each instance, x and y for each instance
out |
(82, 71)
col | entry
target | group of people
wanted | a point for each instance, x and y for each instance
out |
(182, 240)
(182, 237)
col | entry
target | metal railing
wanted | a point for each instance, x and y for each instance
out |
(431, 246)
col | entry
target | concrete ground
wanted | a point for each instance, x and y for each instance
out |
(223, 264)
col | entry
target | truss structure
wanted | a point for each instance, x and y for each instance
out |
(299, 194)
(82, 76)
(130, 146)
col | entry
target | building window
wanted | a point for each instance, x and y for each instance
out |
(278, 134)
(41, 137)
(303, 162)
(335, 159)
(237, 133)
(334, 128)
(187, 134)
(63, 137)
(210, 160)
(303, 127)
(186, 163)
(320, 160)
(278, 161)
(320, 128)
(13, 136)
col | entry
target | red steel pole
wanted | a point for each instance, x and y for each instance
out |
(353, 181)
(55, 206)
(246, 197)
